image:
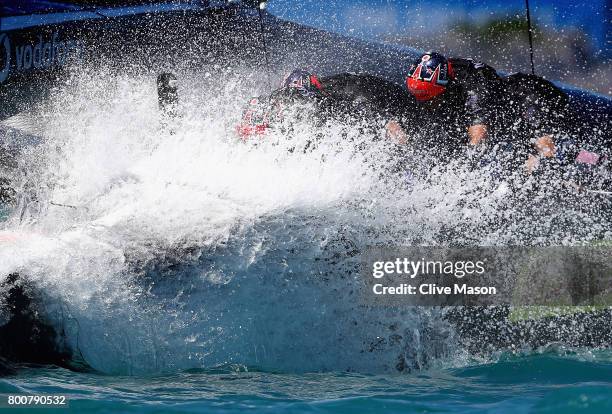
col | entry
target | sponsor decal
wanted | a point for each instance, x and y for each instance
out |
(42, 53)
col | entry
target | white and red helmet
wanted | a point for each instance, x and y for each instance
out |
(428, 76)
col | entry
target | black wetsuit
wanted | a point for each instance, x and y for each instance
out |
(375, 96)
(352, 99)
(349, 95)
(533, 108)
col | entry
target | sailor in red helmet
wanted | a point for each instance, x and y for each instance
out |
(460, 101)
(454, 97)
(300, 87)
(303, 83)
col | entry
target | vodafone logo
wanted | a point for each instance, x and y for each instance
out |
(5, 56)
(41, 53)
(425, 58)
(46, 53)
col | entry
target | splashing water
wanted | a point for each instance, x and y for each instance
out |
(160, 251)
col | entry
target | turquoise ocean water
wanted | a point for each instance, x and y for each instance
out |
(536, 383)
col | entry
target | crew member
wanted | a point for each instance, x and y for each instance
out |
(467, 102)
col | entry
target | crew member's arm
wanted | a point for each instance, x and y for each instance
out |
(544, 148)
(395, 133)
(478, 107)
(477, 134)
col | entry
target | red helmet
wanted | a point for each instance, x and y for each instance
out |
(302, 81)
(428, 76)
